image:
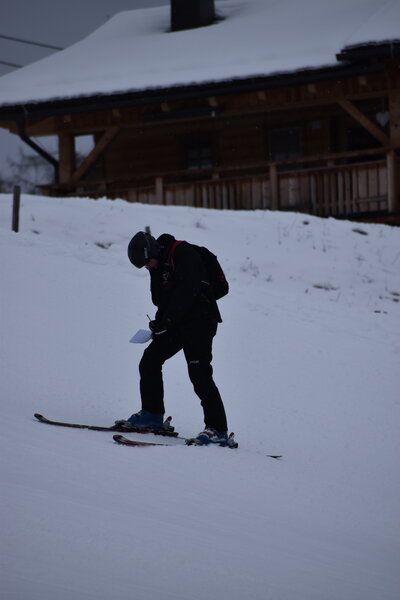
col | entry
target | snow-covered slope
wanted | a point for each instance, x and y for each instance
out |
(135, 50)
(307, 361)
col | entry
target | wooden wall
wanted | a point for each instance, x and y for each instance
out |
(243, 140)
(141, 151)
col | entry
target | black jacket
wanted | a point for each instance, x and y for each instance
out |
(179, 286)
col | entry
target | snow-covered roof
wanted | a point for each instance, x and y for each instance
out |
(135, 51)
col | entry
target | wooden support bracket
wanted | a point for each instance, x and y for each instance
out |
(99, 148)
(369, 125)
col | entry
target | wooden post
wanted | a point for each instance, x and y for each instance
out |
(391, 175)
(66, 151)
(16, 205)
(393, 157)
(159, 190)
(273, 181)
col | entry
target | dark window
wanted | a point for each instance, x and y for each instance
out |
(359, 138)
(199, 156)
(286, 143)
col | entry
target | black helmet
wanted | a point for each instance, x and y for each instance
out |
(141, 248)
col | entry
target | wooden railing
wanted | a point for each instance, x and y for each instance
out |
(325, 190)
(324, 186)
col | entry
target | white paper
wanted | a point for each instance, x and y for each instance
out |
(141, 336)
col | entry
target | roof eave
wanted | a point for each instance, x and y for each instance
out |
(99, 102)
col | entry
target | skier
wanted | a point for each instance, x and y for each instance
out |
(186, 319)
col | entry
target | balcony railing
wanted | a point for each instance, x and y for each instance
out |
(329, 185)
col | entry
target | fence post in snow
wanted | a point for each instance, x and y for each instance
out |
(16, 205)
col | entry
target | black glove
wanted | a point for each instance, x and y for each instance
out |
(157, 329)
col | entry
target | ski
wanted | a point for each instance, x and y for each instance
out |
(120, 439)
(123, 441)
(166, 432)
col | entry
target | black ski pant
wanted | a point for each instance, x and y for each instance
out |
(195, 339)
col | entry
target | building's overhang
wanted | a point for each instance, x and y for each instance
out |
(363, 60)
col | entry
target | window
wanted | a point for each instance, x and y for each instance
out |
(286, 143)
(358, 138)
(199, 156)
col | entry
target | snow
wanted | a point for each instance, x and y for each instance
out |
(306, 360)
(135, 51)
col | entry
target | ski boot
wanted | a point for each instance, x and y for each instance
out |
(146, 421)
(212, 436)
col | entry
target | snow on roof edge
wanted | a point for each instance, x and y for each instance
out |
(127, 55)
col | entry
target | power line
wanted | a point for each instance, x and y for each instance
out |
(21, 41)
(8, 64)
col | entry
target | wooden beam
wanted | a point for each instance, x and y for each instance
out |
(99, 148)
(66, 152)
(10, 126)
(369, 125)
(44, 126)
(309, 96)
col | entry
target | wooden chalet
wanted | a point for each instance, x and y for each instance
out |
(323, 139)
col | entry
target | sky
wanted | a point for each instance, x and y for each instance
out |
(49, 22)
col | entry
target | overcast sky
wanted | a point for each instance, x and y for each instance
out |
(53, 22)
